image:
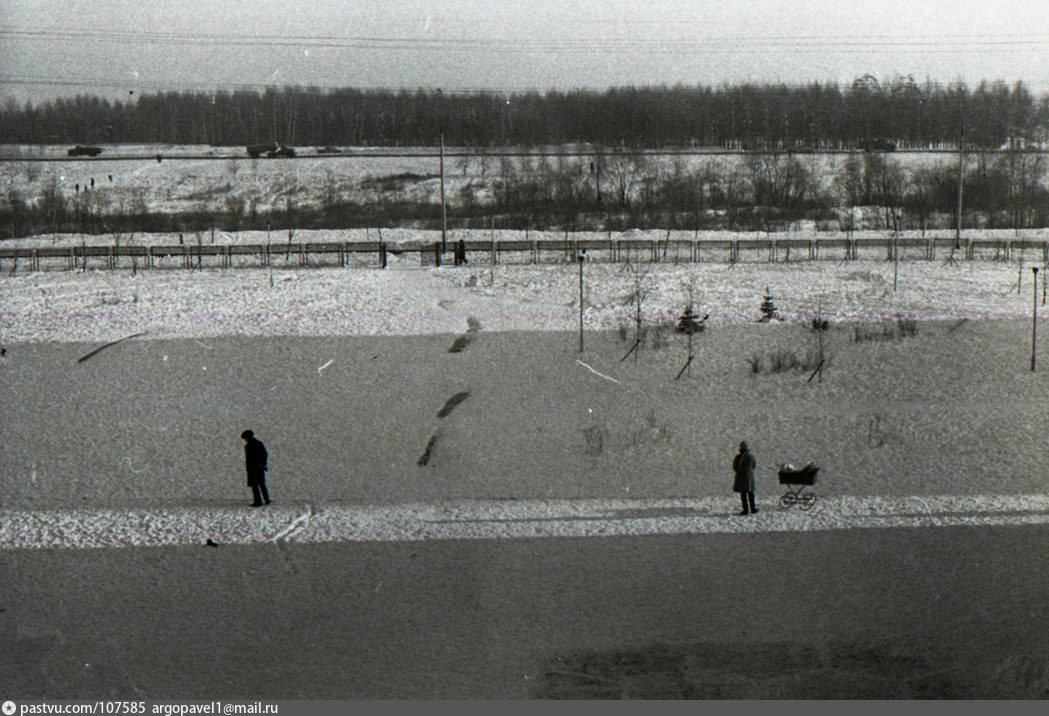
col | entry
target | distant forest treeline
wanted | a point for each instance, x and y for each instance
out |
(748, 116)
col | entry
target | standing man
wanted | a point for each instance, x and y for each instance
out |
(255, 463)
(743, 465)
(460, 253)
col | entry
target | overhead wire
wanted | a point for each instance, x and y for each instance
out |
(976, 43)
(704, 44)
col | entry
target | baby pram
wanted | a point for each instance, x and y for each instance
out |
(796, 482)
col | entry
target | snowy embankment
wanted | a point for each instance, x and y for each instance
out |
(486, 519)
(407, 299)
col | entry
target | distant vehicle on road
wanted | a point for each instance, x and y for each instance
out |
(81, 150)
(270, 149)
(878, 145)
(254, 150)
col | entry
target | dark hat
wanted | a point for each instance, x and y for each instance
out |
(742, 446)
(247, 434)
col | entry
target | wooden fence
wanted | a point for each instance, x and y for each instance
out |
(375, 253)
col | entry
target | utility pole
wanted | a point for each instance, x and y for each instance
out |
(1034, 315)
(444, 212)
(961, 176)
(581, 256)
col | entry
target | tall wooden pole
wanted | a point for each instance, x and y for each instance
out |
(581, 257)
(961, 177)
(1034, 316)
(444, 213)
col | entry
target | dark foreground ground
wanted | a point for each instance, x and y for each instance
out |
(940, 613)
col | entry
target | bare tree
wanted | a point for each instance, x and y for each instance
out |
(777, 179)
(886, 177)
(920, 194)
(819, 327)
(636, 298)
(690, 324)
(625, 171)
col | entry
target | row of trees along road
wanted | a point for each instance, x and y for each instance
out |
(613, 189)
(815, 115)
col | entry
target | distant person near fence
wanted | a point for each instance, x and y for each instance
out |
(743, 465)
(255, 464)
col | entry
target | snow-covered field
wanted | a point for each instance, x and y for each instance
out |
(943, 411)
(179, 183)
(342, 371)
(407, 299)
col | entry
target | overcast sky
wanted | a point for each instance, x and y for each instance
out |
(114, 47)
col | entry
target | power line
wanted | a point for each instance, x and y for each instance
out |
(702, 45)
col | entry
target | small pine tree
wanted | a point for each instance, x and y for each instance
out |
(768, 308)
(689, 322)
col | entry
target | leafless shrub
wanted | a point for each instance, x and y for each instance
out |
(898, 330)
(782, 361)
(660, 333)
(595, 439)
(906, 327)
(652, 431)
(875, 437)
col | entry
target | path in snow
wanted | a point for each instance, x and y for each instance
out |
(491, 519)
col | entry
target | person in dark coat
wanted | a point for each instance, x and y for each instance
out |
(460, 253)
(255, 464)
(743, 465)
